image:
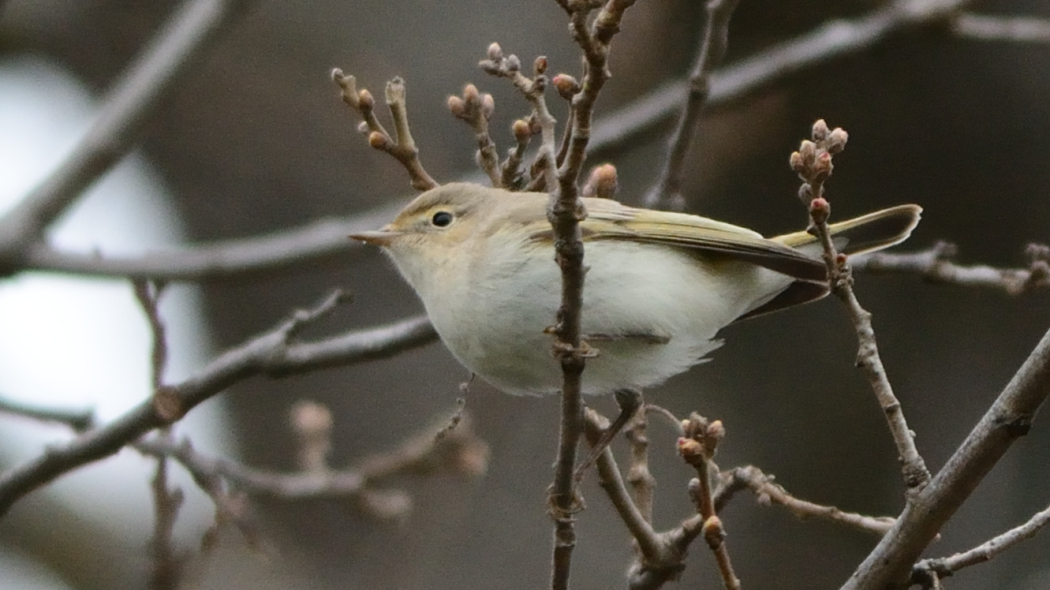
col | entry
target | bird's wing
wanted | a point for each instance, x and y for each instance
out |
(608, 220)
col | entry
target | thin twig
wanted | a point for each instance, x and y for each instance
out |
(272, 354)
(813, 163)
(638, 475)
(832, 40)
(78, 420)
(459, 450)
(565, 211)
(147, 84)
(946, 566)
(889, 565)
(321, 239)
(1024, 29)
(509, 67)
(166, 566)
(224, 259)
(666, 192)
(697, 448)
(937, 266)
(401, 146)
(769, 492)
(476, 109)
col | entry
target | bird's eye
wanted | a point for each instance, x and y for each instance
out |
(441, 219)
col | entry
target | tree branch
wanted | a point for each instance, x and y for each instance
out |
(666, 193)
(272, 354)
(946, 566)
(1024, 29)
(813, 163)
(936, 265)
(889, 565)
(169, 59)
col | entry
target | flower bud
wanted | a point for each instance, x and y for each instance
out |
(495, 52)
(837, 140)
(365, 99)
(362, 127)
(488, 106)
(470, 93)
(566, 85)
(456, 106)
(513, 63)
(820, 130)
(540, 65)
(377, 140)
(521, 130)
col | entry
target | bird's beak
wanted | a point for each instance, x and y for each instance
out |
(381, 237)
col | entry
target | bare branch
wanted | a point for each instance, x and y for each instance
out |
(697, 448)
(1024, 29)
(476, 109)
(813, 163)
(271, 354)
(832, 40)
(459, 450)
(889, 565)
(224, 259)
(936, 265)
(769, 492)
(169, 59)
(666, 193)
(77, 419)
(497, 64)
(402, 147)
(946, 566)
(565, 211)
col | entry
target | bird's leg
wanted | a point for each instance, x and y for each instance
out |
(629, 401)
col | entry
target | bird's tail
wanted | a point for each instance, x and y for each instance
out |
(866, 233)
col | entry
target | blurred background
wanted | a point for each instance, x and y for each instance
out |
(257, 140)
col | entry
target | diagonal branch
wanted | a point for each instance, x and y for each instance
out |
(272, 353)
(170, 58)
(889, 565)
(667, 191)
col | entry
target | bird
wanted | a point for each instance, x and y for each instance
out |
(658, 288)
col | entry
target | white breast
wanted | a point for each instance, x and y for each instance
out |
(653, 312)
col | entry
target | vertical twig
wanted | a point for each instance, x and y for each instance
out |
(666, 193)
(565, 211)
(401, 146)
(167, 565)
(697, 447)
(814, 166)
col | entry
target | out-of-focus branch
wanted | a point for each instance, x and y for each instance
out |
(937, 266)
(666, 193)
(234, 258)
(224, 259)
(943, 567)
(769, 492)
(813, 163)
(889, 565)
(1024, 29)
(458, 450)
(170, 58)
(832, 40)
(77, 419)
(274, 353)
(402, 147)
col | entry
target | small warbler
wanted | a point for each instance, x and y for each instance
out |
(659, 285)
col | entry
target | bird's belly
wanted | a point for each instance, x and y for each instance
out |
(651, 312)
